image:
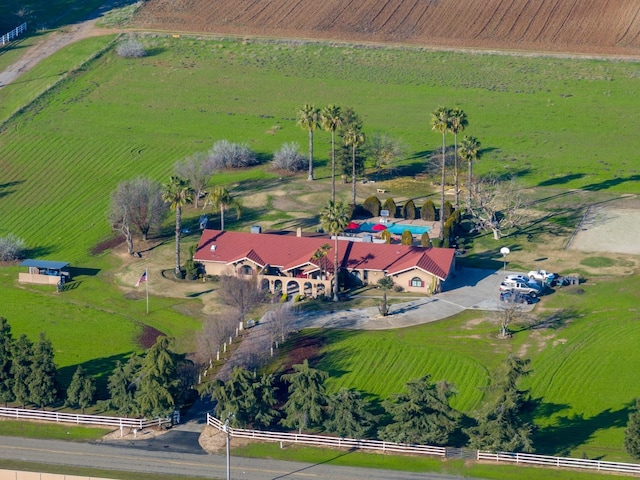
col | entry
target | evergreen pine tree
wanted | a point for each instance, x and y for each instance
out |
(632, 433)
(307, 398)
(422, 414)
(21, 369)
(6, 361)
(348, 415)
(42, 380)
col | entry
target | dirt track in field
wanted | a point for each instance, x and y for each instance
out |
(591, 27)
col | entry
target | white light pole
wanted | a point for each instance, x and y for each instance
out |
(505, 251)
(227, 430)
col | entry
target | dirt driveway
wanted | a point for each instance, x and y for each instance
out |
(51, 43)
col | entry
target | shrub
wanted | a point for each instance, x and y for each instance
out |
(386, 236)
(373, 206)
(390, 205)
(436, 242)
(407, 238)
(428, 211)
(11, 248)
(425, 240)
(131, 48)
(409, 210)
(289, 158)
(226, 154)
(448, 209)
(386, 283)
(398, 288)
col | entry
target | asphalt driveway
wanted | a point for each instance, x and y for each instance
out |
(470, 288)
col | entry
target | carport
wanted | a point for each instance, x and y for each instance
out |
(43, 272)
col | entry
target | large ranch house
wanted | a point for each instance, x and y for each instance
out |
(290, 264)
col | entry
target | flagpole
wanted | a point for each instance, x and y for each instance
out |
(146, 274)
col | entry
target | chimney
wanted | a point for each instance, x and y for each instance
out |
(299, 232)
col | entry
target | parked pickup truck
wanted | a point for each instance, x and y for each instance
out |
(526, 288)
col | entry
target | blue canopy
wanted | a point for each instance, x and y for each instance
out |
(44, 264)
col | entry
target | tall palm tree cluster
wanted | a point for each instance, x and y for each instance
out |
(332, 118)
(453, 120)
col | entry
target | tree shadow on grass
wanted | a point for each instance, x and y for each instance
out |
(100, 369)
(571, 431)
(6, 188)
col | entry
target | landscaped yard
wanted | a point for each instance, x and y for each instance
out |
(119, 118)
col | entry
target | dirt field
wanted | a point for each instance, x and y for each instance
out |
(593, 27)
(609, 230)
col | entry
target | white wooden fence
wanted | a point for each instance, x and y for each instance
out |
(325, 441)
(8, 37)
(529, 459)
(60, 417)
(516, 458)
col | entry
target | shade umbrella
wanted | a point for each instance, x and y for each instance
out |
(353, 226)
(379, 227)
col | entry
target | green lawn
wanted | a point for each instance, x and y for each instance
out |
(583, 372)
(557, 123)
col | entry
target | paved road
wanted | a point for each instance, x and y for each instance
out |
(170, 462)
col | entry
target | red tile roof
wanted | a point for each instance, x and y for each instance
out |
(288, 252)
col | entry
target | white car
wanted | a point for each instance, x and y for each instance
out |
(542, 276)
(517, 277)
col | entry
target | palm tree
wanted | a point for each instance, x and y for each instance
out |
(220, 199)
(469, 151)
(458, 123)
(354, 138)
(441, 122)
(177, 193)
(309, 119)
(331, 119)
(334, 219)
(319, 254)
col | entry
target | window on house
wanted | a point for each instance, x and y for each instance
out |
(246, 270)
(416, 282)
(365, 275)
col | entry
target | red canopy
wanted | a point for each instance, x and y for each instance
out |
(379, 227)
(353, 226)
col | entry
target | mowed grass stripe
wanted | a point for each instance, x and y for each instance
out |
(380, 365)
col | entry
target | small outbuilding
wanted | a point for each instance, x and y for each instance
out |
(43, 272)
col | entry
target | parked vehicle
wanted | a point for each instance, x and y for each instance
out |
(517, 277)
(516, 297)
(526, 288)
(542, 276)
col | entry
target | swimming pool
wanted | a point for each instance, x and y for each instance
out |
(396, 228)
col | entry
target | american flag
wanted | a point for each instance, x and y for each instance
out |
(143, 279)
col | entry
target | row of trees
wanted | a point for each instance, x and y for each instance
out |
(28, 374)
(348, 125)
(150, 385)
(454, 120)
(421, 414)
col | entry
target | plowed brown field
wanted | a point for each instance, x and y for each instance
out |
(599, 27)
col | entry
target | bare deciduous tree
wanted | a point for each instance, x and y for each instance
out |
(281, 322)
(198, 169)
(241, 294)
(497, 205)
(216, 329)
(137, 204)
(384, 151)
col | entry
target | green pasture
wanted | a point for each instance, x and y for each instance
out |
(409, 463)
(583, 373)
(118, 118)
(558, 124)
